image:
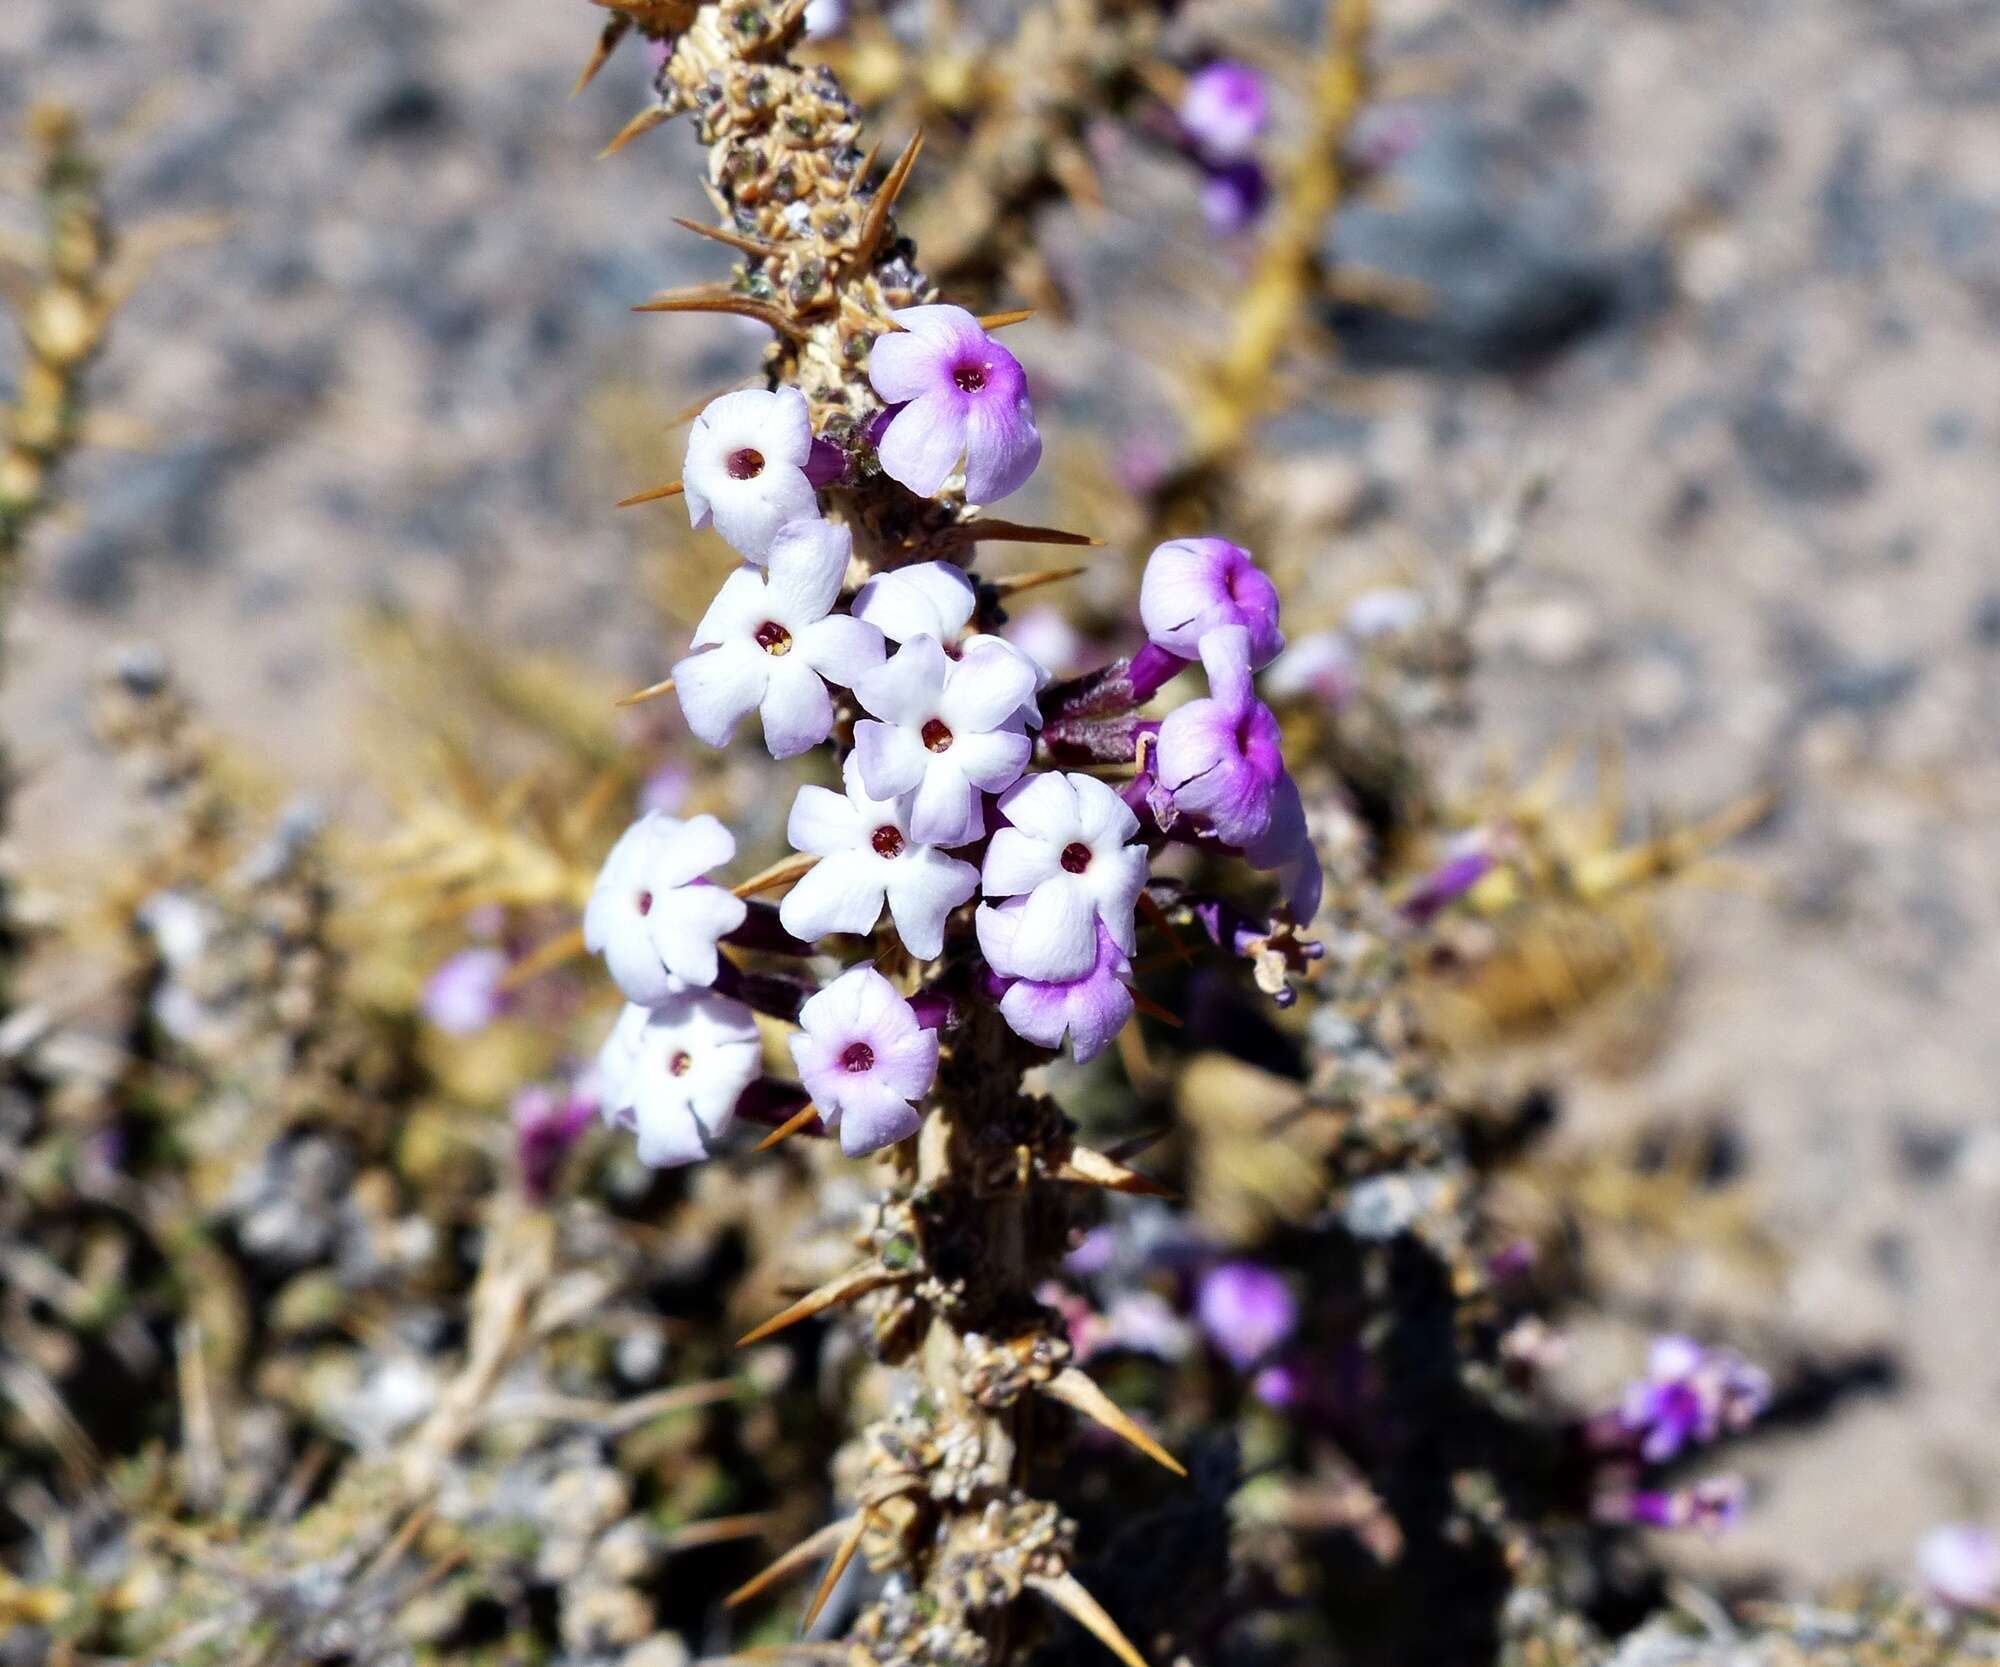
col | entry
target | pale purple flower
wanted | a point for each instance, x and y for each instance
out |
(1286, 848)
(943, 731)
(1470, 862)
(929, 599)
(771, 642)
(1046, 636)
(1224, 109)
(745, 467)
(863, 1058)
(464, 996)
(1247, 1310)
(1959, 1565)
(673, 1073)
(867, 857)
(1089, 1010)
(1233, 195)
(1320, 665)
(1066, 851)
(1192, 586)
(1690, 1396)
(666, 788)
(962, 395)
(1713, 1505)
(1385, 611)
(825, 18)
(1219, 757)
(651, 916)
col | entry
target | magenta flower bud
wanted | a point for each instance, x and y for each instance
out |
(1233, 196)
(1219, 757)
(464, 996)
(962, 395)
(1225, 109)
(1192, 586)
(1247, 1311)
(546, 1126)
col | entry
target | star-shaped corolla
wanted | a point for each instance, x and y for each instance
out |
(864, 1059)
(1065, 850)
(962, 395)
(651, 916)
(673, 1073)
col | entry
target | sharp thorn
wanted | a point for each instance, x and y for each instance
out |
(735, 240)
(652, 495)
(646, 120)
(721, 301)
(639, 697)
(885, 198)
(1094, 1169)
(1000, 321)
(1152, 1009)
(856, 1282)
(608, 38)
(785, 872)
(858, 1526)
(791, 1126)
(716, 1530)
(816, 1544)
(1078, 1391)
(1014, 584)
(1068, 1595)
(545, 959)
(1012, 532)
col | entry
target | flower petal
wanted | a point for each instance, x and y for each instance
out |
(840, 649)
(1058, 932)
(740, 606)
(923, 886)
(1017, 862)
(904, 688)
(1002, 447)
(874, 1118)
(903, 366)
(1044, 806)
(796, 709)
(1102, 817)
(891, 759)
(908, 1064)
(635, 965)
(933, 598)
(983, 695)
(841, 893)
(823, 822)
(1115, 880)
(687, 850)
(685, 928)
(807, 564)
(945, 810)
(718, 686)
(924, 440)
(992, 762)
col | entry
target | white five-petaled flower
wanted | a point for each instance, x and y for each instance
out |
(745, 467)
(943, 731)
(866, 857)
(651, 917)
(863, 1057)
(673, 1073)
(1065, 849)
(771, 641)
(928, 599)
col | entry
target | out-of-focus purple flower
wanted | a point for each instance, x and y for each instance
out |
(1689, 1397)
(1193, 586)
(546, 1125)
(1225, 109)
(1959, 1565)
(825, 18)
(1712, 1506)
(1278, 1386)
(962, 395)
(666, 789)
(1141, 463)
(1219, 757)
(1089, 1010)
(1446, 884)
(464, 996)
(1320, 665)
(864, 1058)
(1046, 636)
(1233, 196)
(1247, 1311)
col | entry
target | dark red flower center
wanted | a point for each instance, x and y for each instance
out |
(859, 1057)
(1076, 856)
(746, 463)
(936, 736)
(888, 841)
(645, 902)
(680, 1065)
(774, 639)
(970, 378)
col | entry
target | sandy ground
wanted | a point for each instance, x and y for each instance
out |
(1732, 264)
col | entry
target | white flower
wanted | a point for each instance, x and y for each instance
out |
(863, 1058)
(943, 731)
(931, 599)
(867, 856)
(674, 1073)
(655, 926)
(1066, 851)
(745, 467)
(772, 642)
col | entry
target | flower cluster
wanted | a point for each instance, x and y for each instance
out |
(1223, 113)
(1003, 822)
